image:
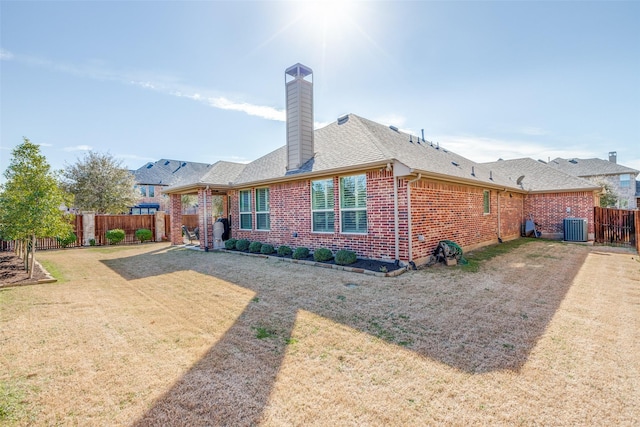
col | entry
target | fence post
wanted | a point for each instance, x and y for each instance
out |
(159, 225)
(88, 227)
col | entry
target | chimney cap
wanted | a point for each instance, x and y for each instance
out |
(298, 70)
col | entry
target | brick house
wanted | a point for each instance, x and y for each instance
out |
(622, 179)
(385, 194)
(152, 178)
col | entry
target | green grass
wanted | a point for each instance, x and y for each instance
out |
(12, 404)
(477, 257)
(263, 333)
(53, 270)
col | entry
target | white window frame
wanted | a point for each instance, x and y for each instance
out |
(332, 209)
(266, 213)
(245, 212)
(343, 210)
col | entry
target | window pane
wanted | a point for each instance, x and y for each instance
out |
(354, 221)
(245, 201)
(323, 222)
(263, 221)
(322, 194)
(262, 200)
(143, 190)
(245, 221)
(353, 192)
(152, 191)
(486, 205)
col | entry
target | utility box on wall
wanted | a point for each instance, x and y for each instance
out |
(575, 229)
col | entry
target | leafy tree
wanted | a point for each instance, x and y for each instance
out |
(99, 183)
(609, 197)
(30, 200)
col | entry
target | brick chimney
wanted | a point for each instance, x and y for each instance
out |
(613, 156)
(299, 93)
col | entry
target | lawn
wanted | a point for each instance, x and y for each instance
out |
(545, 333)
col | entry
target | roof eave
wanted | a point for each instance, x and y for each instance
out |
(458, 180)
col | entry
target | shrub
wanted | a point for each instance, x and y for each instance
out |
(284, 250)
(242, 244)
(143, 234)
(344, 257)
(322, 254)
(255, 247)
(67, 240)
(230, 244)
(300, 253)
(92, 242)
(267, 249)
(115, 236)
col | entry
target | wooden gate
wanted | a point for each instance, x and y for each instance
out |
(617, 227)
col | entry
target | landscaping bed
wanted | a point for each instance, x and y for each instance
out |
(12, 271)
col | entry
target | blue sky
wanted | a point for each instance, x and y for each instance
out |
(204, 81)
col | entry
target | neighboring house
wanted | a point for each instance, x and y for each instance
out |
(385, 194)
(622, 179)
(152, 178)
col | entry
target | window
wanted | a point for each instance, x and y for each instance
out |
(152, 191)
(486, 201)
(322, 214)
(245, 210)
(353, 204)
(262, 209)
(625, 180)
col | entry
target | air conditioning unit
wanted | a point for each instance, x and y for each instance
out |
(575, 229)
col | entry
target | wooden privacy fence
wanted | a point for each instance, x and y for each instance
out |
(50, 242)
(617, 227)
(128, 223)
(191, 221)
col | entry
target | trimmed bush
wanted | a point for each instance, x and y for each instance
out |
(92, 242)
(267, 249)
(230, 244)
(255, 247)
(344, 257)
(115, 236)
(284, 250)
(322, 254)
(143, 234)
(242, 244)
(300, 253)
(67, 240)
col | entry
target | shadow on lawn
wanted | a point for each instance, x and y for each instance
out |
(232, 383)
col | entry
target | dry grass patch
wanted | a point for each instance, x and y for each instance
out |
(153, 335)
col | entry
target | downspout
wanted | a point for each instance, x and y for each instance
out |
(206, 230)
(409, 215)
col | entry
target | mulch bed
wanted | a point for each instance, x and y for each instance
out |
(365, 264)
(12, 271)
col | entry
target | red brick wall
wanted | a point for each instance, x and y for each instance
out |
(443, 211)
(290, 212)
(204, 211)
(550, 209)
(176, 219)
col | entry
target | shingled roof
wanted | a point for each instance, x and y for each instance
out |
(170, 172)
(540, 177)
(354, 143)
(590, 167)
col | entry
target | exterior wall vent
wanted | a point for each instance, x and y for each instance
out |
(575, 229)
(393, 128)
(343, 119)
(299, 94)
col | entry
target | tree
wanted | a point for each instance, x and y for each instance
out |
(30, 200)
(99, 183)
(609, 197)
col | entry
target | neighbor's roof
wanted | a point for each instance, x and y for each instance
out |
(539, 177)
(590, 167)
(169, 172)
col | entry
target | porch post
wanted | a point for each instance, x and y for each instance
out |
(205, 217)
(175, 207)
